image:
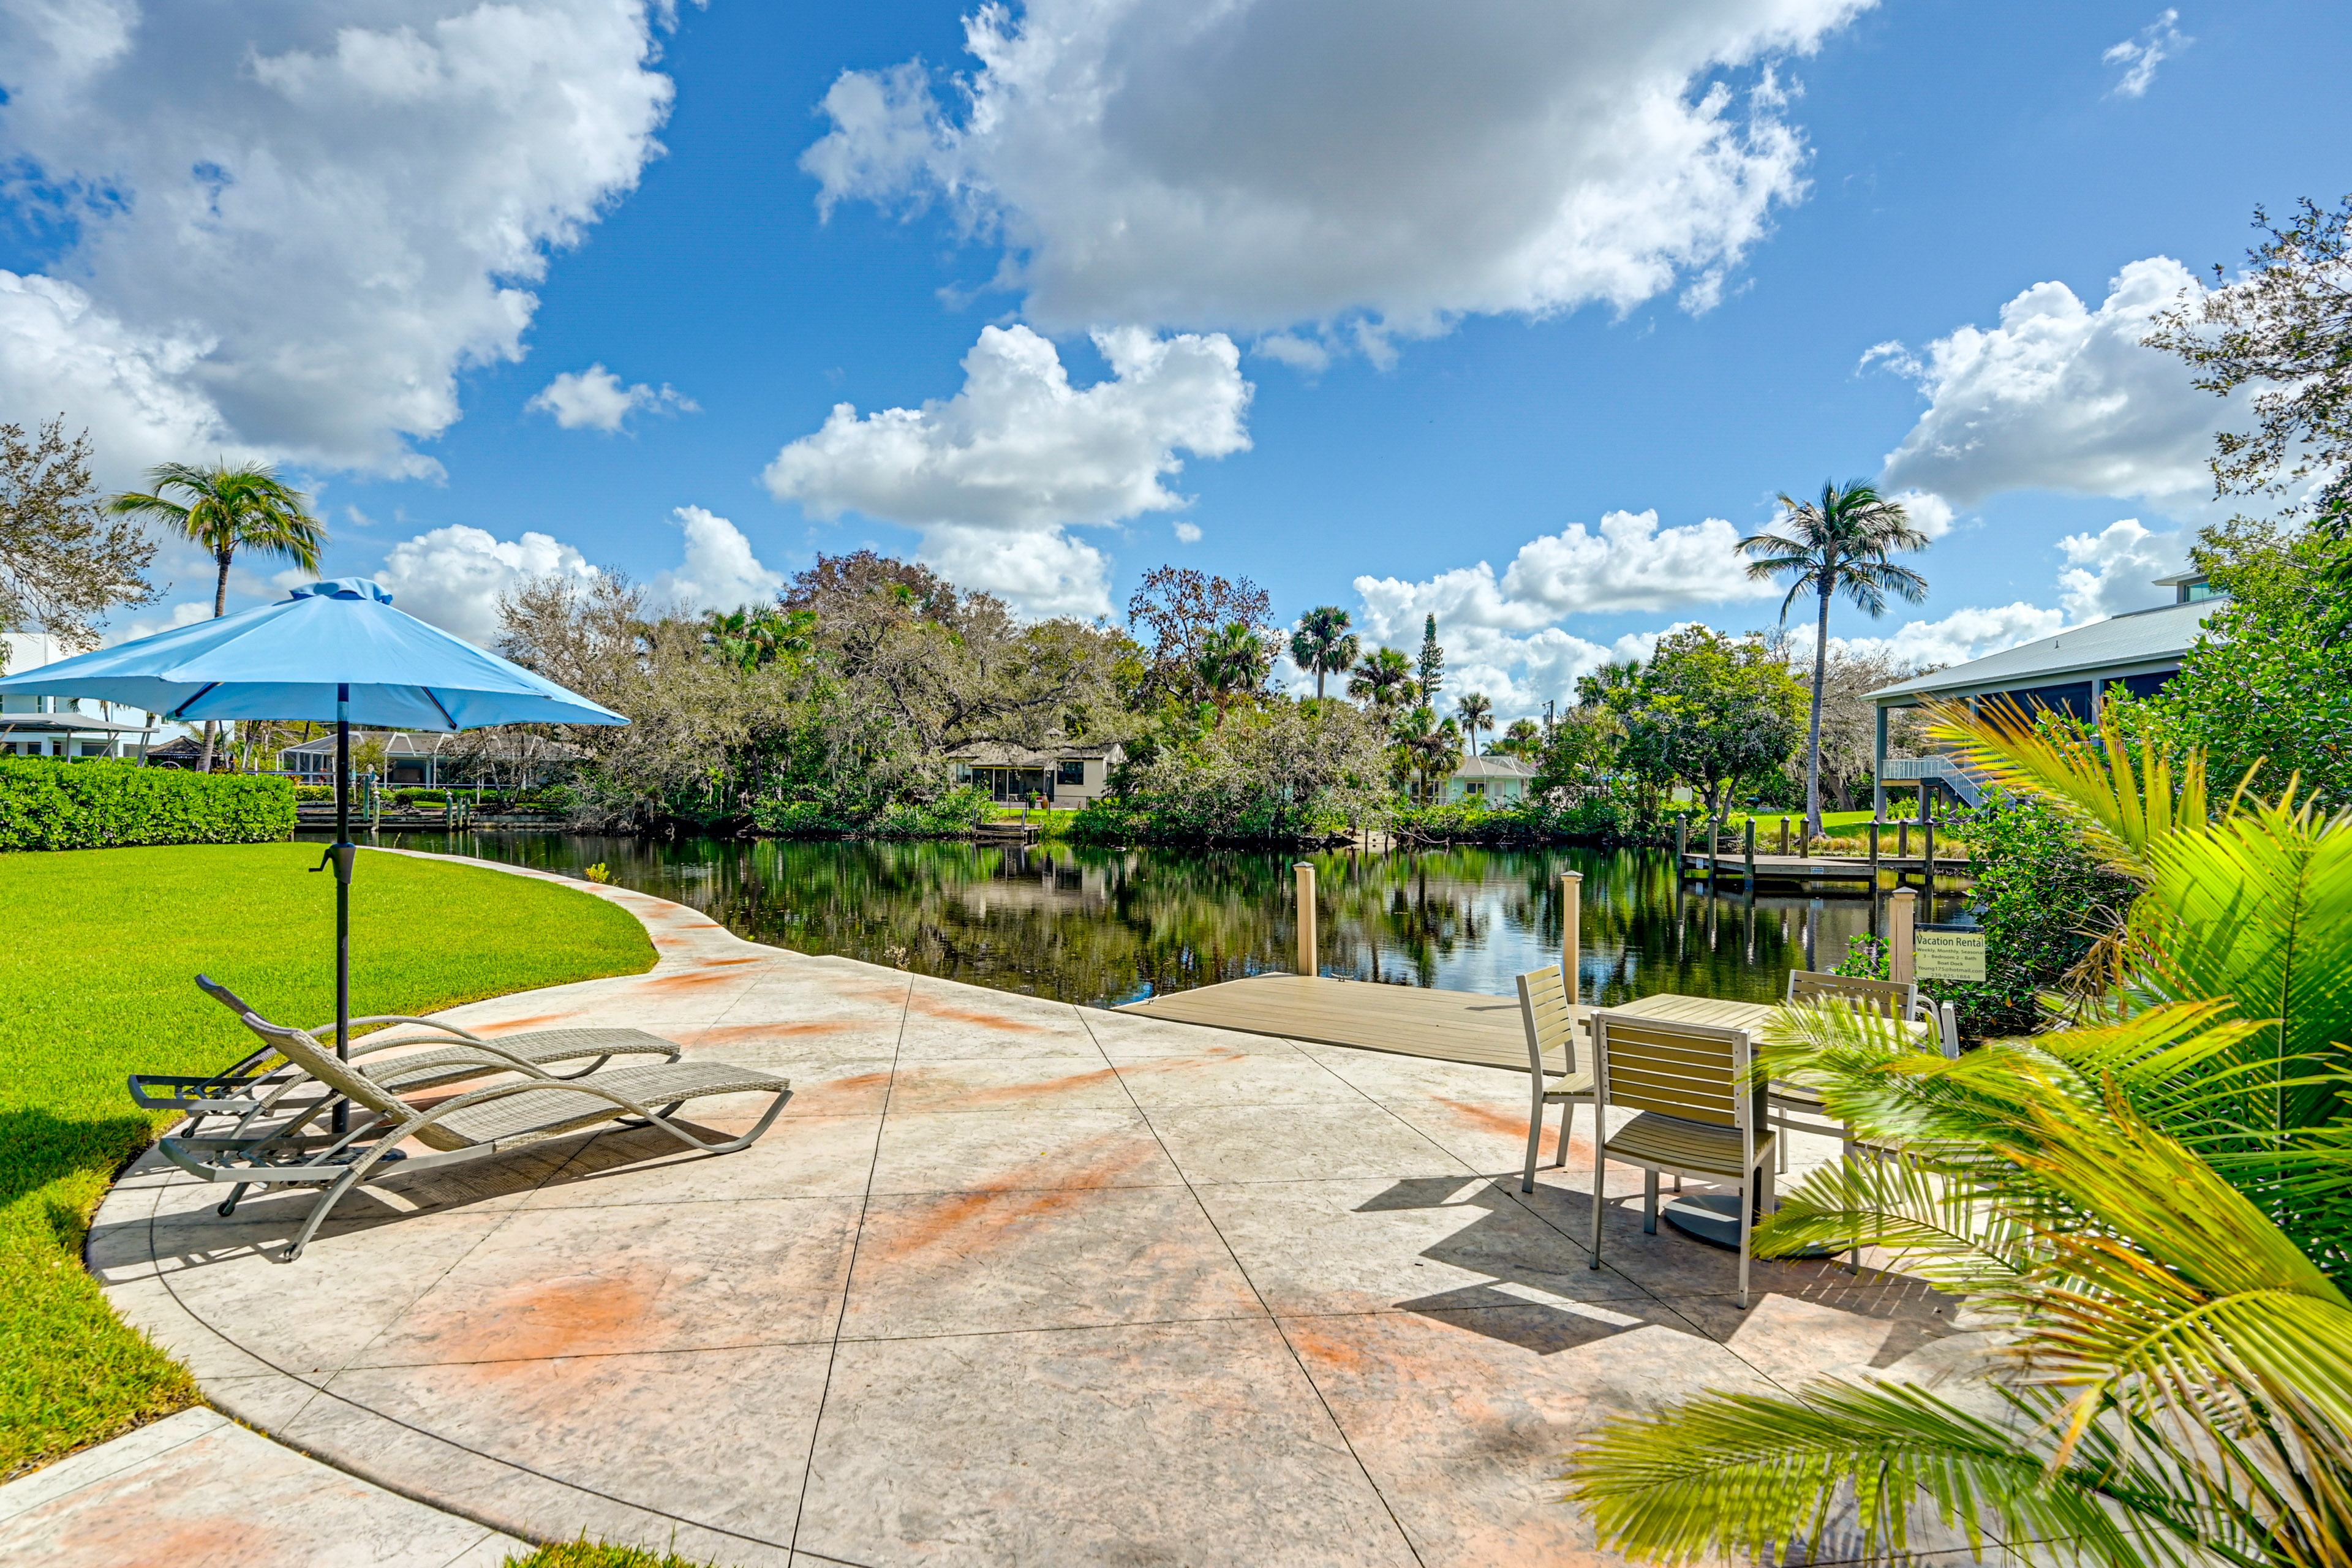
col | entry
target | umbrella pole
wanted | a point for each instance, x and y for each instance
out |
(345, 852)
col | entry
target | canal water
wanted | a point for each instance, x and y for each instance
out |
(1107, 926)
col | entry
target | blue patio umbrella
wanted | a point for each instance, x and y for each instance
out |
(333, 650)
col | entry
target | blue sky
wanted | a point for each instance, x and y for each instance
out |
(1443, 287)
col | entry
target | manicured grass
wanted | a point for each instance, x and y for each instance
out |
(97, 948)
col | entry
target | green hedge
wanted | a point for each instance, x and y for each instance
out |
(53, 804)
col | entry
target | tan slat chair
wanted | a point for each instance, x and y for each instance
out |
(1794, 1110)
(1694, 1121)
(1550, 1023)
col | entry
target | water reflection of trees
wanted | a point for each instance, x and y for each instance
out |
(1090, 924)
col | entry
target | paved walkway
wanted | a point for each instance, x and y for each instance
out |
(1013, 1282)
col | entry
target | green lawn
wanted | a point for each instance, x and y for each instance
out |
(97, 951)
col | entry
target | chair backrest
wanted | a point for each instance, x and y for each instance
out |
(1550, 1021)
(1883, 997)
(309, 1056)
(1685, 1070)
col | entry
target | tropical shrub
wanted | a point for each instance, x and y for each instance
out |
(2154, 1205)
(55, 804)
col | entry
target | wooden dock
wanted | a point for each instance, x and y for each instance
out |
(1448, 1025)
(1787, 869)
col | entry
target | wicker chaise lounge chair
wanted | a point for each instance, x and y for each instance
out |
(477, 1125)
(254, 1087)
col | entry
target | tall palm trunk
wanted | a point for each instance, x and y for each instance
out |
(1813, 745)
(220, 608)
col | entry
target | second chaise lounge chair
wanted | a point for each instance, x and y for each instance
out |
(253, 1088)
(479, 1124)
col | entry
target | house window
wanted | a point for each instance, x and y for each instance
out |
(1073, 771)
(1473, 787)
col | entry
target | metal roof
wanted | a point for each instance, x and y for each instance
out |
(1495, 767)
(69, 724)
(2121, 645)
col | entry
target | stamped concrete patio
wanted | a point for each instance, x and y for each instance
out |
(1012, 1282)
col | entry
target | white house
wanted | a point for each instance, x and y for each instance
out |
(38, 726)
(1497, 781)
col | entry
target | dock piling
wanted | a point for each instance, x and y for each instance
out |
(1784, 835)
(1748, 848)
(1571, 930)
(1305, 873)
(1901, 916)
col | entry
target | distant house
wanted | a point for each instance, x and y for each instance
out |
(505, 760)
(2071, 673)
(1497, 781)
(37, 726)
(1067, 777)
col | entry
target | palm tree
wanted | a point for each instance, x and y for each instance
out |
(1323, 644)
(1523, 739)
(1476, 713)
(749, 638)
(1384, 678)
(1232, 661)
(227, 510)
(2148, 1204)
(1836, 545)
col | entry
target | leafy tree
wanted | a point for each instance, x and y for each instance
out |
(1323, 644)
(2270, 680)
(1711, 712)
(61, 562)
(1431, 664)
(1477, 712)
(1385, 680)
(2285, 326)
(226, 510)
(1178, 609)
(1280, 771)
(1835, 545)
(748, 639)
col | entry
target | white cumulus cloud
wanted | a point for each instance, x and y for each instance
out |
(2061, 397)
(453, 577)
(2113, 572)
(1631, 565)
(1256, 164)
(594, 399)
(719, 572)
(2142, 53)
(292, 226)
(994, 475)
(1958, 637)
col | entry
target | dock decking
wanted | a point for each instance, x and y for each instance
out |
(1448, 1025)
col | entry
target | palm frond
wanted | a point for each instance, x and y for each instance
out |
(1938, 1226)
(2124, 793)
(1764, 1479)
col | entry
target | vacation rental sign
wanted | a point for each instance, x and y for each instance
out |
(1948, 952)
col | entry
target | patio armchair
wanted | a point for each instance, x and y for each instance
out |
(1794, 1108)
(1550, 1024)
(253, 1088)
(1692, 1116)
(477, 1125)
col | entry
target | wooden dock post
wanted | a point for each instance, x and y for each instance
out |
(1749, 849)
(1682, 847)
(1901, 915)
(1306, 918)
(1571, 930)
(1928, 850)
(1784, 835)
(1873, 860)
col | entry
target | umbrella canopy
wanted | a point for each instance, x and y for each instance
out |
(290, 659)
(333, 652)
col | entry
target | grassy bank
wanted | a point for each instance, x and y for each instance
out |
(97, 949)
